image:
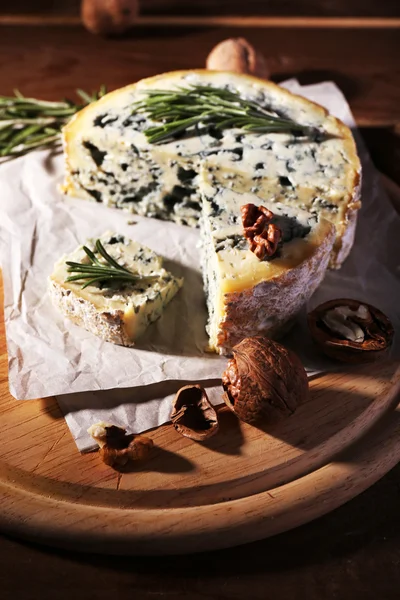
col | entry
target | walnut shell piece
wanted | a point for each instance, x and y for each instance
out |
(192, 413)
(116, 447)
(239, 56)
(351, 331)
(264, 381)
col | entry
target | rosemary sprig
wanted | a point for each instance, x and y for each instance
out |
(183, 109)
(101, 272)
(27, 123)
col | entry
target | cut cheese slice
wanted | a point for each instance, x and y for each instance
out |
(118, 313)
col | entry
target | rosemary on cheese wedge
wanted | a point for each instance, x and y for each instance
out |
(101, 272)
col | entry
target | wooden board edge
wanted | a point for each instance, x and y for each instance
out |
(256, 21)
(170, 531)
(89, 528)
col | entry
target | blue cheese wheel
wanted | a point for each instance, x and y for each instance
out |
(311, 183)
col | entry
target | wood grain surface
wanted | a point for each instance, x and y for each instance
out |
(53, 62)
(242, 485)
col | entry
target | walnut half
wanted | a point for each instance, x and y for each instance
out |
(351, 331)
(192, 413)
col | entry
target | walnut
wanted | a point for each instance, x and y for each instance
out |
(116, 447)
(351, 331)
(239, 56)
(264, 382)
(262, 235)
(192, 414)
(109, 16)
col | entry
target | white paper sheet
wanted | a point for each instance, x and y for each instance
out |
(48, 355)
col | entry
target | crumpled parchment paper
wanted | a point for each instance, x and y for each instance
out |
(133, 387)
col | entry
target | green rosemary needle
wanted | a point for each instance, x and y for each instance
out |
(99, 272)
(183, 109)
(27, 123)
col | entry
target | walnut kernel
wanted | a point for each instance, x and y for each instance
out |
(262, 235)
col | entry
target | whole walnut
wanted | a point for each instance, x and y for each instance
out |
(239, 56)
(107, 17)
(264, 381)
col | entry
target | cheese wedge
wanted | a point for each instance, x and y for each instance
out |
(109, 159)
(118, 313)
(247, 296)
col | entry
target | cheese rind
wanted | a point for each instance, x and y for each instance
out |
(119, 313)
(109, 159)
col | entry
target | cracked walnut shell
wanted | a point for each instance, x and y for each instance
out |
(192, 413)
(351, 331)
(264, 381)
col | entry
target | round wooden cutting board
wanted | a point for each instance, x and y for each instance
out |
(241, 485)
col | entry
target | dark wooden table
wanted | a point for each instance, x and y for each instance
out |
(351, 553)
